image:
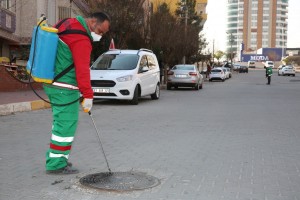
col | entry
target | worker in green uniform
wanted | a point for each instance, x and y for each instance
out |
(269, 73)
(74, 49)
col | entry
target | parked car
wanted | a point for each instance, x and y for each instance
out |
(243, 69)
(183, 75)
(236, 67)
(217, 74)
(269, 64)
(288, 70)
(227, 65)
(126, 75)
(251, 64)
(227, 72)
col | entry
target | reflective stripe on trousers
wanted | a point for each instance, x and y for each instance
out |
(64, 125)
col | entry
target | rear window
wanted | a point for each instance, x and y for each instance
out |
(215, 70)
(183, 67)
(116, 62)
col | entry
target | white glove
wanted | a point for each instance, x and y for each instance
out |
(87, 105)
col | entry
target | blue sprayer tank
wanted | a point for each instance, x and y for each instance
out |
(42, 56)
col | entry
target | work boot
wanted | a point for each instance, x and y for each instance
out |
(66, 170)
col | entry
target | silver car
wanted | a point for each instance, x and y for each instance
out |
(184, 75)
(288, 70)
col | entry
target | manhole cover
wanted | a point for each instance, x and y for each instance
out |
(120, 181)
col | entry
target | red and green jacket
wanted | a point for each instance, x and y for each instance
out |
(75, 48)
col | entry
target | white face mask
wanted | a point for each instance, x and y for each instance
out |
(96, 37)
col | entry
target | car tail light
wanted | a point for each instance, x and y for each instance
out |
(193, 74)
(170, 72)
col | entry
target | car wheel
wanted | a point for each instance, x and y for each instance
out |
(294, 74)
(135, 99)
(201, 86)
(156, 94)
(210, 80)
(169, 86)
(223, 80)
(278, 74)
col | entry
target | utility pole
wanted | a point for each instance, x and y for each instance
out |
(185, 27)
(213, 53)
(282, 41)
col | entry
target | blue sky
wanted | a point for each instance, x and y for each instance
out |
(215, 26)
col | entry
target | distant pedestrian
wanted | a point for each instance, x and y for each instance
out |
(208, 70)
(269, 73)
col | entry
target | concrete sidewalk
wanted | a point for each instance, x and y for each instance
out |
(27, 100)
(20, 101)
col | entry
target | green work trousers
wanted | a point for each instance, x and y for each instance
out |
(64, 125)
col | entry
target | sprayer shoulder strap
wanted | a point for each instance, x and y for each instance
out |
(61, 74)
(68, 31)
(71, 31)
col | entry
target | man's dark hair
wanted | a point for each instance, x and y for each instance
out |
(100, 16)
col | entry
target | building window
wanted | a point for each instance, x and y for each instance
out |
(5, 4)
(63, 12)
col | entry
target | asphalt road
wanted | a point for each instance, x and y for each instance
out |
(237, 139)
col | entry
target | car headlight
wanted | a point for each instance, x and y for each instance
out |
(124, 78)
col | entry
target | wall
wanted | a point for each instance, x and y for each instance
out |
(9, 84)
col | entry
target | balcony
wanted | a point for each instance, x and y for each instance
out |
(7, 20)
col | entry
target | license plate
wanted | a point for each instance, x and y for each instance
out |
(101, 90)
(180, 76)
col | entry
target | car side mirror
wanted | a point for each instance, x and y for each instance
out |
(144, 69)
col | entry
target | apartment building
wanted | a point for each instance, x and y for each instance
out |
(18, 17)
(257, 24)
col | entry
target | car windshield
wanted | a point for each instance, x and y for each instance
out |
(116, 62)
(215, 70)
(183, 67)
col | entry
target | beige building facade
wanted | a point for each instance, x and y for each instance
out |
(200, 7)
(257, 24)
(19, 18)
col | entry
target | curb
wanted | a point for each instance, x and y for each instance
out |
(11, 108)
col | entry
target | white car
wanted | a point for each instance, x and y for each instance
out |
(217, 74)
(227, 72)
(126, 75)
(269, 64)
(287, 70)
(236, 67)
(251, 64)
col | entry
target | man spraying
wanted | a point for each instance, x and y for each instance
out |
(73, 49)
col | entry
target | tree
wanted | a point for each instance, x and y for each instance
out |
(128, 24)
(218, 55)
(230, 55)
(192, 40)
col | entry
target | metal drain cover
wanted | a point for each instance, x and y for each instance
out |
(120, 181)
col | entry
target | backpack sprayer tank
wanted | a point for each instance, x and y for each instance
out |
(41, 63)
